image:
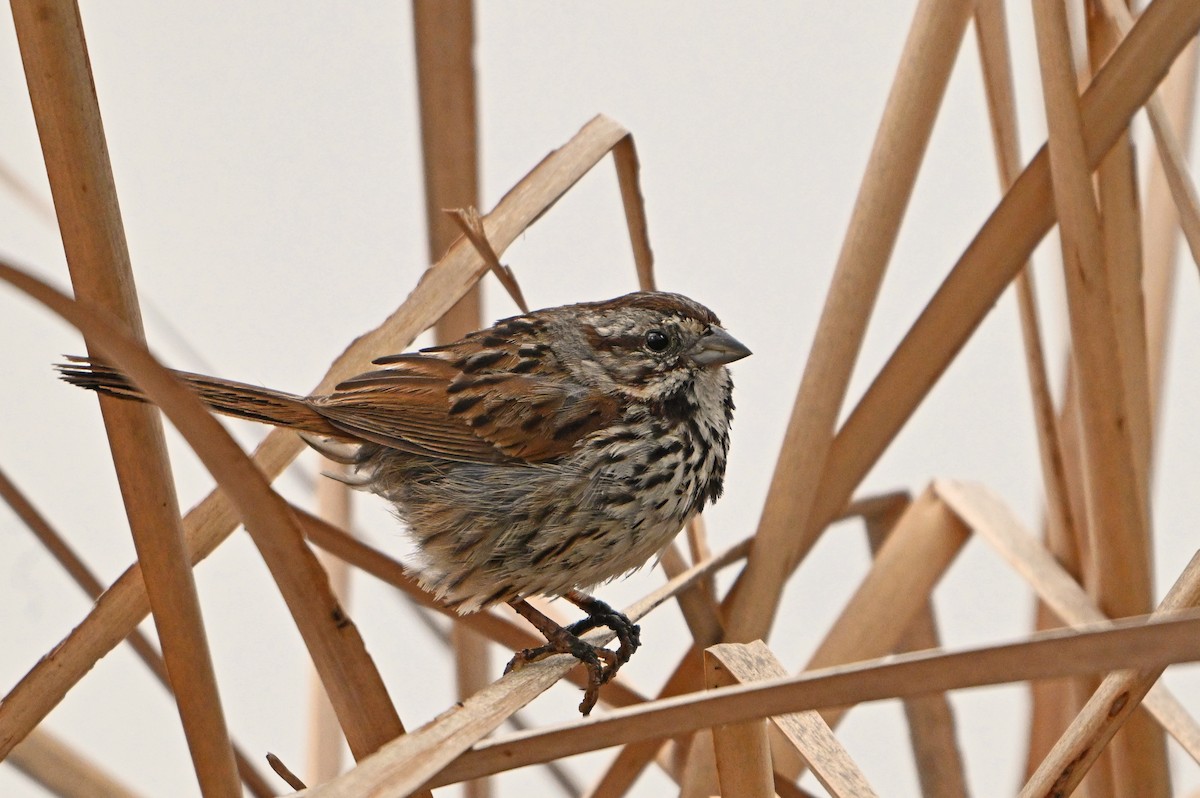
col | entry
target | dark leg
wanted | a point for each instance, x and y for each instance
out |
(563, 641)
(601, 614)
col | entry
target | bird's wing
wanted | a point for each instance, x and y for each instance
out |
(428, 405)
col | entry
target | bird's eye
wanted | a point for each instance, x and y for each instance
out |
(657, 341)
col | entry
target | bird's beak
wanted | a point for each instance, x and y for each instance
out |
(718, 348)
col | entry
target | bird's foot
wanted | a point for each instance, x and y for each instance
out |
(601, 663)
(629, 634)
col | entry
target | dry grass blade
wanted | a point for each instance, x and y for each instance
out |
(806, 732)
(697, 538)
(74, 565)
(471, 224)
(626, 161)
(213, 519)
(58, 73)
(63, 772)
(408, 762)
(996, 254)
(284, 772)
(354, 686)
(784, 531)
(1126, 644)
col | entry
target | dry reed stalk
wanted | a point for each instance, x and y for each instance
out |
(1110, 707)
(1104, 343)
(931, 725)
(1052, 701)
(698, 777)
(1141, 643)
(996, 63)
(923, 542)
(62, 771)
(472, 670)
(786, 530)
(997, 253)
(624, 769)
(323, 757)
(1138, 754)
(355, 689)
(698, 549)
(78, 570)
(1119, 215)
(700, 610)
(66, 556)
(406, 763)
(1161, 220)
(444, 36)
(58, 73)
(1172, 155)
(919, 549)
(994, 522)
(561, 777)
(805, 733)
(741, 751)
(1074, 554)
(213, 519)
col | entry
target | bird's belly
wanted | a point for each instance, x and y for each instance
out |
(488, 534)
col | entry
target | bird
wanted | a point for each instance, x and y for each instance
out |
(542, 456)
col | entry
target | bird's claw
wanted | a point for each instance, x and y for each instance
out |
(601, 663)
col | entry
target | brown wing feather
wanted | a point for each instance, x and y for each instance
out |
(406, 412)
(432, 406)
(536, 419)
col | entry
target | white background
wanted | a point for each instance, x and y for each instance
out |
(267, 161)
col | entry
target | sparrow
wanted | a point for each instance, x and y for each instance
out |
(549, 453)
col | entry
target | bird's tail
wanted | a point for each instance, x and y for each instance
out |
(225, 396)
